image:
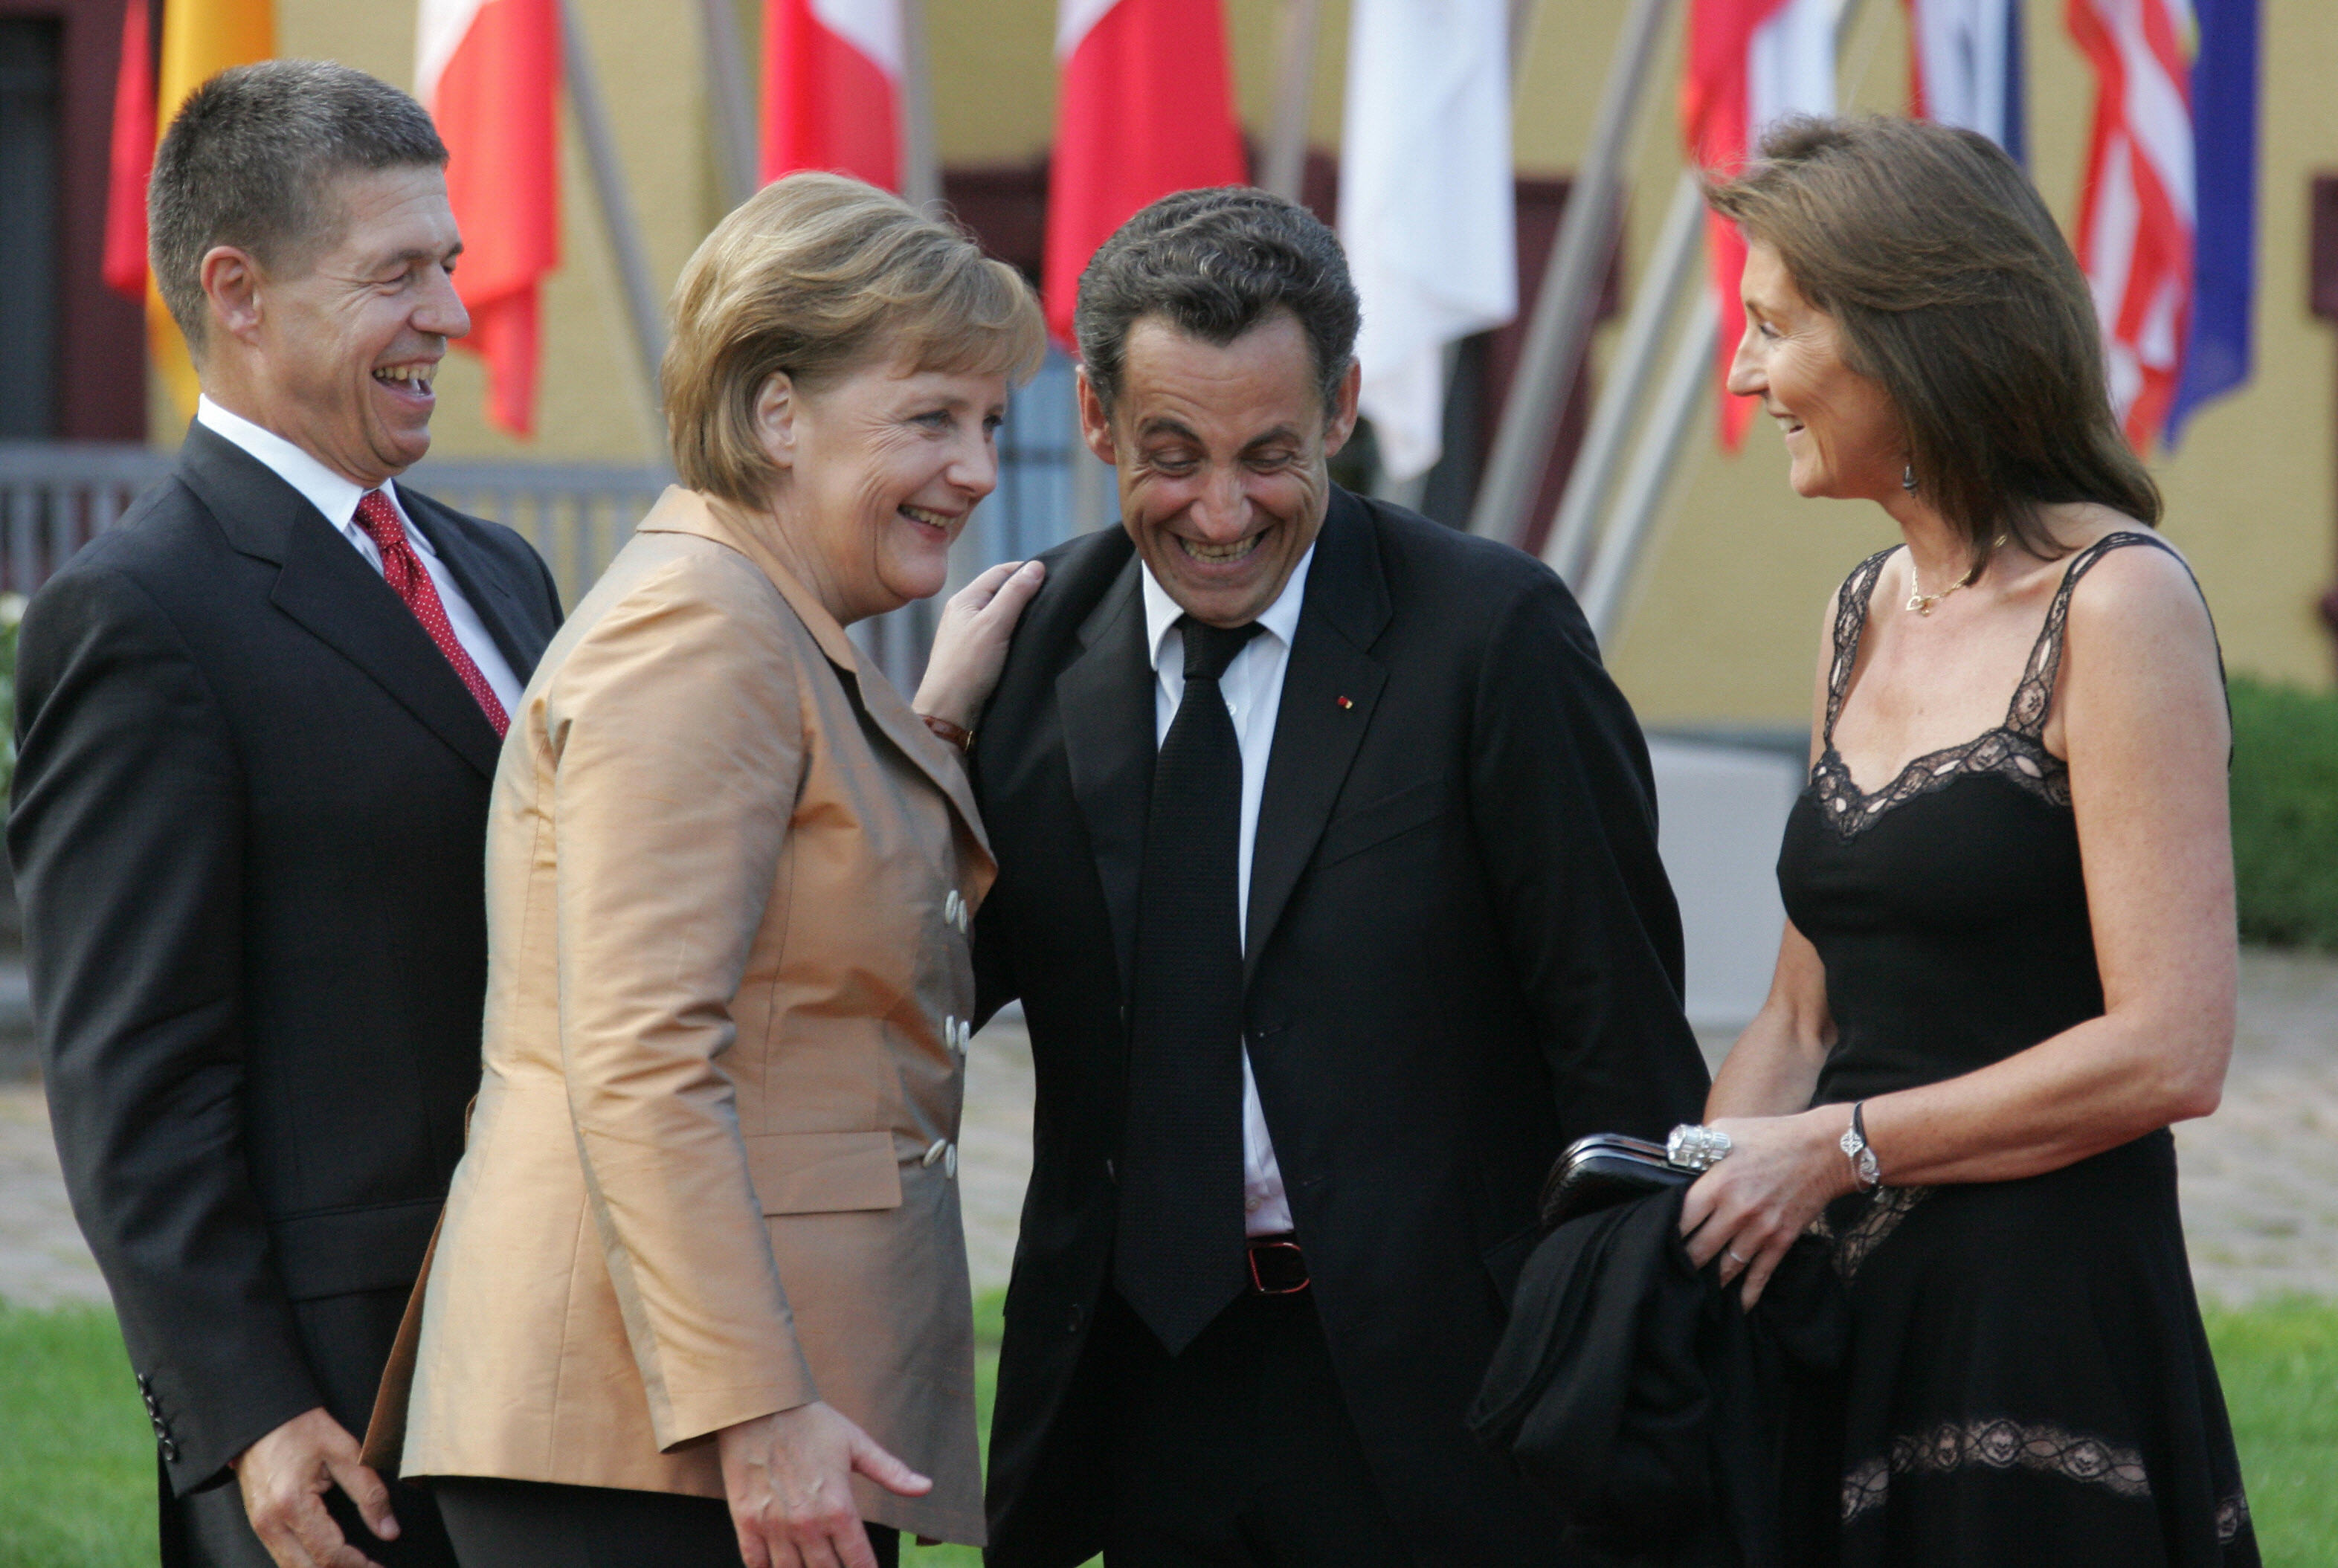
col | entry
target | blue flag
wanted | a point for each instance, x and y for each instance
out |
(2224, 233)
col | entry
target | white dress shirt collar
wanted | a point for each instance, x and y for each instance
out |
(327, 491)
(1280, 618)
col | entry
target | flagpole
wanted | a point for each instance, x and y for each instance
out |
(1522, 20)
(1569, 296)
(1654, 458)
(1657, 454)
(1567, 549)
(732, 97)
(922, 174)
(1286, 154)
(642, 313)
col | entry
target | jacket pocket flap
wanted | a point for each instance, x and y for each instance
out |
(823, 1172)
(1353, 832)
(339, 1251)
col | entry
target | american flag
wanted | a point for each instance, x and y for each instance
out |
(2139, 214)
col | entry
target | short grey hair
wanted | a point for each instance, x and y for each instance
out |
(1213, 263)
(249, 160)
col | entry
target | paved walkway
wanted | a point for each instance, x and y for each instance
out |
(2260, 1179)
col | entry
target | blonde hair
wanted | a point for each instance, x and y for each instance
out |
(816, 276)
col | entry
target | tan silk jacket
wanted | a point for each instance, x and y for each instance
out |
(712, 1172)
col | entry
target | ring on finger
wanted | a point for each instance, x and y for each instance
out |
(1731, 1253)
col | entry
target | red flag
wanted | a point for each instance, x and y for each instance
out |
(831, 88)
(1146, 108)
(489, 73)
(1750, 62)
(131, 158)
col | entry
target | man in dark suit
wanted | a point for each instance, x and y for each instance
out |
(258, 722)
(1320, 972)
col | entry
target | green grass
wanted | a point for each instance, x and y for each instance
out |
(2279, 1363)
(2285, 813)
(76, 1454)
(77, 1477)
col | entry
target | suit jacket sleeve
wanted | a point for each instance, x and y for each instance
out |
(1564, 801)
(553, 614)
(127, 838)
(995, 984)
(677, 739)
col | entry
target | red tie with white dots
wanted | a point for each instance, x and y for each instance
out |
(404, 572)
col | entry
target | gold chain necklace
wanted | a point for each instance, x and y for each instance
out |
(1922, 602)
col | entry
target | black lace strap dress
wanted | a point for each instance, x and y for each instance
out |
(2027, 1381)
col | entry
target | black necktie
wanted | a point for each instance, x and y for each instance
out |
(1179, 1259)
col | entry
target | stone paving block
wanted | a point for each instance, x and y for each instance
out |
(42, 1260)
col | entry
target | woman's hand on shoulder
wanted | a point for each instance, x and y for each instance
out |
(971, 644)
(789, 1480)
(1748, 1209)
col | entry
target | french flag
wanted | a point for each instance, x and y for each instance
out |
(1965, 68)
(1750, 62)
(832, 88)
(489, 72)
(1146, 107)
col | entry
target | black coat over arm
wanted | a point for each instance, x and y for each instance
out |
(248, 828)
(1462, 954)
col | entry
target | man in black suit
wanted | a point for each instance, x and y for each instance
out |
(258, 723)
(1320, 975)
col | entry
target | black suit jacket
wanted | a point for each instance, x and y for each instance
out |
(1462, 953)
(249, 827)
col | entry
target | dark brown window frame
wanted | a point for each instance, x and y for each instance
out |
(101, 336)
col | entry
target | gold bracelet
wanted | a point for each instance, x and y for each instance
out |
(949, 734)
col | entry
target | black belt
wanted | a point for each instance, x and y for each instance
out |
(1277, 1266)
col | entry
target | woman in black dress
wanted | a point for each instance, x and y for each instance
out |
(2010, 957)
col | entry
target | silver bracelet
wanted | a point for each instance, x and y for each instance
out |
(1697, 1148)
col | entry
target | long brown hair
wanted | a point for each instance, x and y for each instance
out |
(1955, 290)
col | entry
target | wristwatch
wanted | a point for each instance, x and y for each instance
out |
(1854, 1143)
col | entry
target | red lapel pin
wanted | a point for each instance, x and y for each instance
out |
(1344, 702)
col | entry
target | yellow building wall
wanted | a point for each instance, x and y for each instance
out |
(1723, 623)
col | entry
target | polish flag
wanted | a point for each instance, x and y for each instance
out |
(1146, 107)
(489, 72)
(832, 88)
(1750, 62)
(2137, 216)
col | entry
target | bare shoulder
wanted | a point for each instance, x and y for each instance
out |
(2139, 653)
(2136, 596)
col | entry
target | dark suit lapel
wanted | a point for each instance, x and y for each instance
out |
(1104, 699)
(1328, 689)
(519, 636)
(324, 585)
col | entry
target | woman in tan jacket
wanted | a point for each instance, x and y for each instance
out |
(704, 1243)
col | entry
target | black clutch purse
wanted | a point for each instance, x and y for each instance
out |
(1604, 1169)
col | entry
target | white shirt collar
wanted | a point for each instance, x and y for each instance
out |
(1280, 618)
(328, 492)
